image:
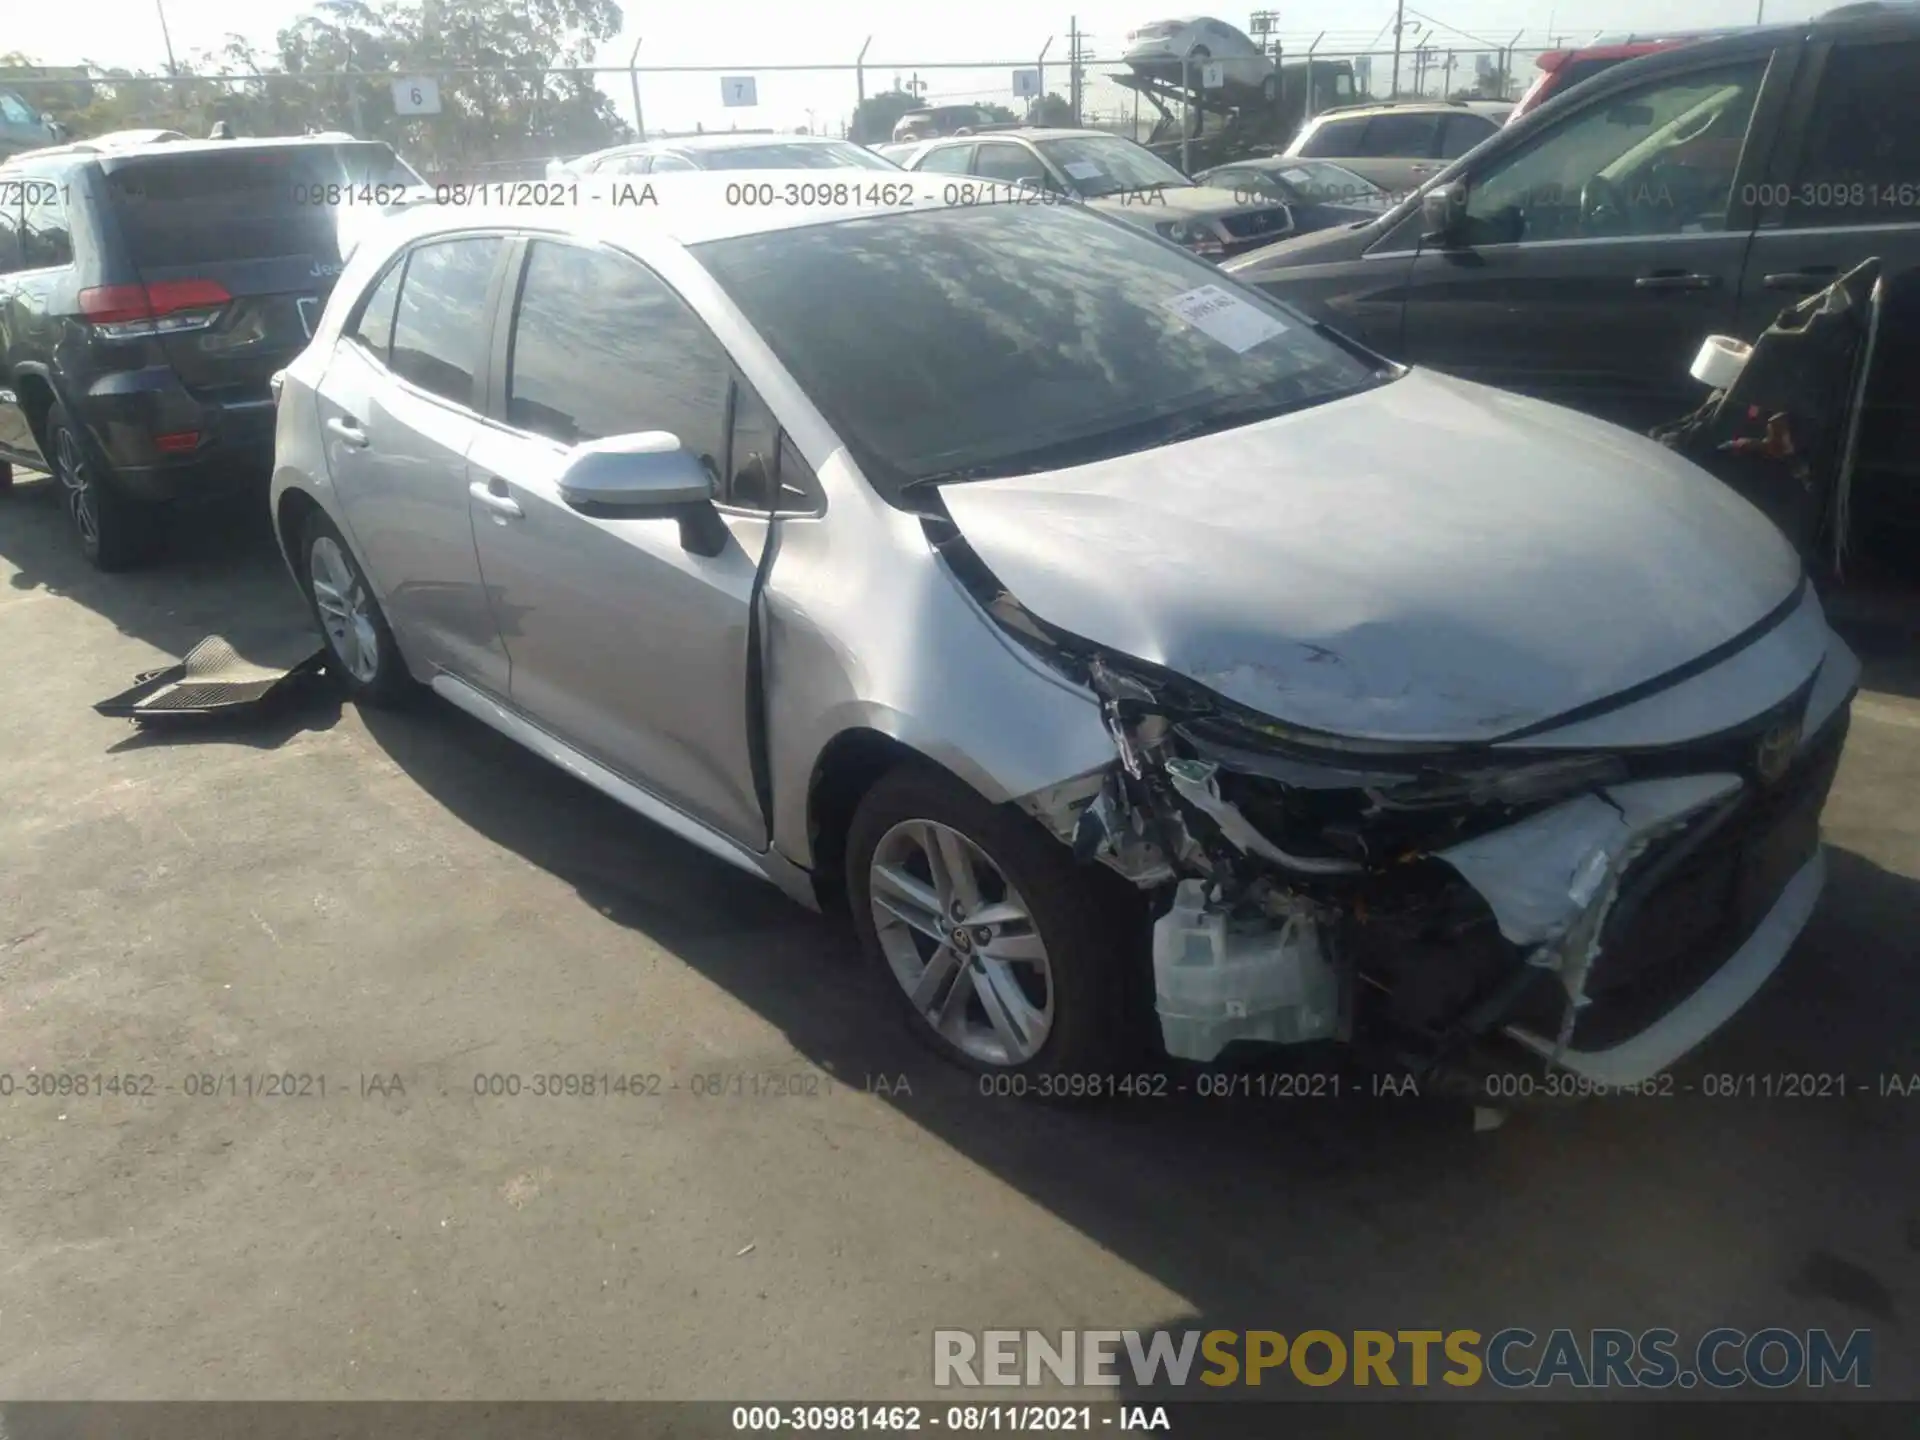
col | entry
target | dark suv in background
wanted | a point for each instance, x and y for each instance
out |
(148, 291)
(1583, 253)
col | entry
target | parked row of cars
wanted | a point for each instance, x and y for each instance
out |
(1280, 685)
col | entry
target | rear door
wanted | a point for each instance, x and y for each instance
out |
(1845, 187)
(1596, 256)
(400, 406)
(261, 225)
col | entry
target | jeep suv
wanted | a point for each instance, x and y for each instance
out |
(148, 291)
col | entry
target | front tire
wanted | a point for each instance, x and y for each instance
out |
(115, 531)
(1006, 956)
(361, 653)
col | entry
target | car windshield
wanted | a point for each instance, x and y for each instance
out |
(827, 155)
(1106, 165)
(961, 344)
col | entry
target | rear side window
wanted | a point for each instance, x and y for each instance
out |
(1336, 137)
(602, 347)
(440, 325)
(44, 238)
(1860, 164)
(374, 327)
(947, 160)
(251, 203)
(1401, 135)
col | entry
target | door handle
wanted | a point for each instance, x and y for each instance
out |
(498, 501)
(348, 431)
(1675, 280)
(1802, 282)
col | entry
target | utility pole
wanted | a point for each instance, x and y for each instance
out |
(633, 76)
(1079, 52)
(1399, 24)
(160, 7)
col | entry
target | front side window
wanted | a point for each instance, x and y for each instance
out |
(763, 467)
(1860, 164)
(15, 112)
(1011, 163)
(1460, 133)
(663, 164)
(1106, 165)
(1001, 340)
(440, 325)
(601, 346)
(1655, 160)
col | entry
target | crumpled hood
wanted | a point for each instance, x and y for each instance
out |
(1428, 560)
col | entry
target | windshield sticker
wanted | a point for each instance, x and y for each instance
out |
(1297, 177)
(1084, 170)
(1225, 317)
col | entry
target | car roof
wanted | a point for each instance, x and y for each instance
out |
(734, 140)
(126, 144)
(1367, 110)
(1025, 132)
(689, 208)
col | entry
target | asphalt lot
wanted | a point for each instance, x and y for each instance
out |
(347, 895)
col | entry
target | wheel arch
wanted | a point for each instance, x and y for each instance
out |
(847, 767)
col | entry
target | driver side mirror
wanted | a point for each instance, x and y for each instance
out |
(1443, 214)
(647, 476)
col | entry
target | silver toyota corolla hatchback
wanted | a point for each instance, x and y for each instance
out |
(1136, 661)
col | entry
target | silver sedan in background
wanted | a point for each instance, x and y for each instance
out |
(1135, 660)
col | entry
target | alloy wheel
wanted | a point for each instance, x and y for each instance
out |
(346, 611)
(76, 484)
(961, 942)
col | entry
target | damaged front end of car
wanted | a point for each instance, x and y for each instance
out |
(1458, 908)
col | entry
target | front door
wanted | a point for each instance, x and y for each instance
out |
(399, 407)
(623, 642)
(1846, 188)
(1593, 261)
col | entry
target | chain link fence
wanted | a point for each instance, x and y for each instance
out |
(507, 122)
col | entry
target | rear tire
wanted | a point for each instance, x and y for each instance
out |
(1051, 948)
(115, 531)
(362, 657)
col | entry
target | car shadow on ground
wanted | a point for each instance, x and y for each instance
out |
(1355, 1210)
(1349, 1209)
(218, 571)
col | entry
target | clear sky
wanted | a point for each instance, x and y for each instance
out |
(744, 33)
